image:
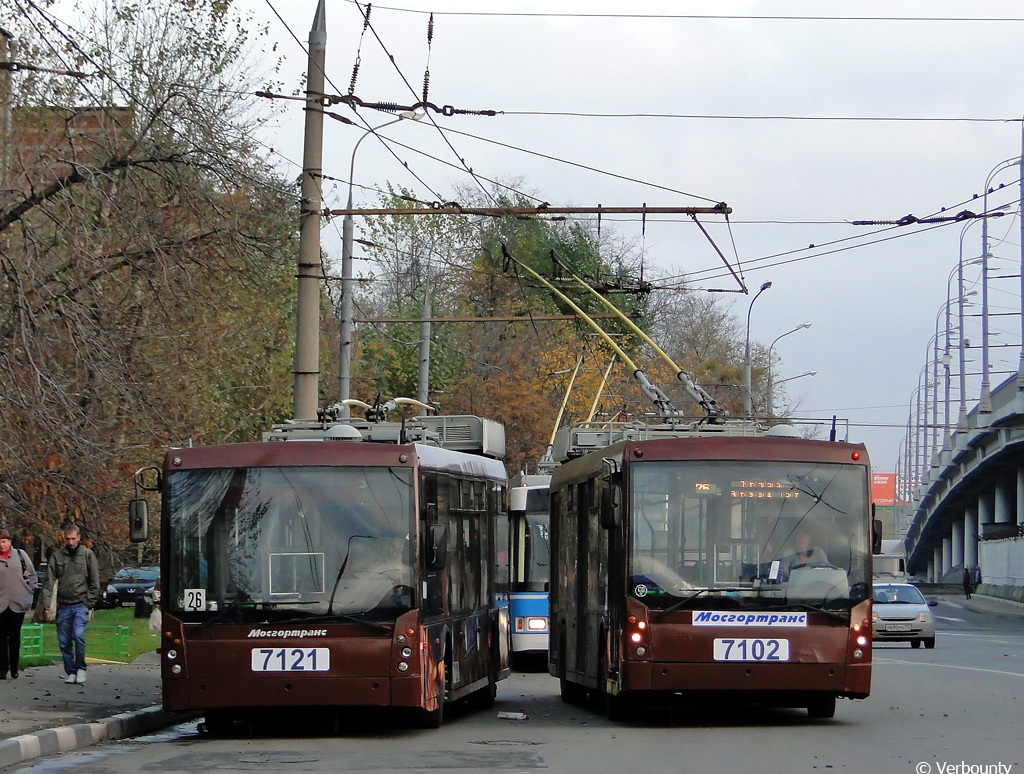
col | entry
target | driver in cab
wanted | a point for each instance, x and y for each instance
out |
(806, 554)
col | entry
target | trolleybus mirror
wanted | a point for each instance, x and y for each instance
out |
(138, 520)
(876, 532)
(611, 506)
(437, 552)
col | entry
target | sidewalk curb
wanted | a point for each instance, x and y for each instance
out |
(65, 738)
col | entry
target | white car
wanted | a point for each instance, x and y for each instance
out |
(900, 613)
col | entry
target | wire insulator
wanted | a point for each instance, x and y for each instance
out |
(388, 107)
(355, 74)
(426, 84)
(430, 29)
(366, 16)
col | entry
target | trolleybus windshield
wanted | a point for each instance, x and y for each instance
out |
(280, 542)
(532, 546)
(758, 533)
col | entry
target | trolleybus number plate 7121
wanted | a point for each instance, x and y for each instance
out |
(741, 649)
(291, 659)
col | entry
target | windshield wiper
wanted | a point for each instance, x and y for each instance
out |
(816, 609)
(341, 570)
(683, 602)
(221, 615)
(329, 616)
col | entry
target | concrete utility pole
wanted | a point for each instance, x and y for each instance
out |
(747, 403)
(307, 336)
(7, 49)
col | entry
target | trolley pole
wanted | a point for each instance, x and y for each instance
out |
(307, 337)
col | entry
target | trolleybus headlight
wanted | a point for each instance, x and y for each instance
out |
(858, 653)
(176, 669)
(400, 638)
(537, 624)
(403, 666)
(641, 651)
(406, 652)
(862, 640)
(635, 636)
(172, 654)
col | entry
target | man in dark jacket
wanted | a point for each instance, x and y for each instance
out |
(77, 574)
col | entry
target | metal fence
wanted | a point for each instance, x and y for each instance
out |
(106, 643)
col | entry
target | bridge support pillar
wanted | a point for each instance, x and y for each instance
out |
(971, 536)
(1004, 503)
(947, 557)
(1020, 495)
(986, 508)
(957, 544)
(935, 570)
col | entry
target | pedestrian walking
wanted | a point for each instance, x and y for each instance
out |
(967, 583)
(77, 575)
(17, 586)
(977, 577)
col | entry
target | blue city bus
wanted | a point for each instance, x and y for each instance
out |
(529, 562)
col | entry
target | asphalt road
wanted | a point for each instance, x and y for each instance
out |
(952, 710)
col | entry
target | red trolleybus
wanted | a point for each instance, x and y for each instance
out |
(332, 570)
(710, 562)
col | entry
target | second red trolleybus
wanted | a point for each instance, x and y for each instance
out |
(334, 565)
(719, 560)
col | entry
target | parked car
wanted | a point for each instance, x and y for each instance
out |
(900, 613)
(128, 586)
(152, 595)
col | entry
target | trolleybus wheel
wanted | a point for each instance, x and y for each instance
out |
(822, 706)
(570, 692)
(484, 698)
(218, 723)
(616, 707)
(430, 718)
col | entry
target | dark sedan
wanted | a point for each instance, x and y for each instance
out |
(128, 586)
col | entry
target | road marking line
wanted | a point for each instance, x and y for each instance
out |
(949, 666)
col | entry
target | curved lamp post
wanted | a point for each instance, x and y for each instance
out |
(798, 376)
(347, 281)
(746, 354)
(985, 402)
(771, 404)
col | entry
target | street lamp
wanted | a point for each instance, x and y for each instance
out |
(746, 355)
(798, 376)
(771, 404)
(347, 280)
(985, 402)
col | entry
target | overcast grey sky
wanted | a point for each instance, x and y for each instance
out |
(706, 75)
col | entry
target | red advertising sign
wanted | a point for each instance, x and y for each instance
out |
(883, 489)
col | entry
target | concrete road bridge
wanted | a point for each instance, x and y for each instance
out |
(968, 509)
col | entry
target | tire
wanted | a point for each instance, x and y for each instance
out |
(218, 723)
(571, 693)
(483, 699)
(822, 707)
(616, 707)
(929, 643)
(915, 643)
(430, 718)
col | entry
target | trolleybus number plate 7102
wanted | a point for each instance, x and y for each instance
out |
(741, 649)
(291, 659)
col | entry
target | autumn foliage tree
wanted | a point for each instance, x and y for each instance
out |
(146, 259)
